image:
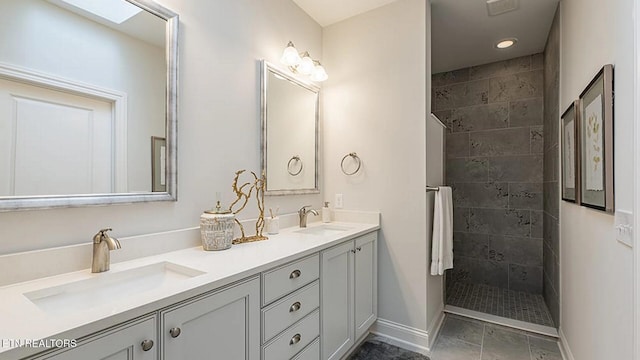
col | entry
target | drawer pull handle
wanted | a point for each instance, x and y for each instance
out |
(175, 332)
(147, 345)
(295, 274)
(359, 248)
(295, 307)
(295, 339)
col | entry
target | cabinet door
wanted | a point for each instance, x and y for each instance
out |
(121, 343)
(366, 283)
(337, 301)
(223, 325)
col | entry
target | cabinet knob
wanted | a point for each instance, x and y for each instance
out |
(175, 332)
(147, 345)
(295, 306)
(295, 274)
(359, 248)
(295, 339)
(353, 251)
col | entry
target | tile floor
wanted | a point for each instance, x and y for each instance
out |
(378, 348)
(516, 305)
(466, 339)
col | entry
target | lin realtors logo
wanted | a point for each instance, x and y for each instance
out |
(38, 343)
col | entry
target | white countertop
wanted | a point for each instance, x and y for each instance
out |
(22, 319)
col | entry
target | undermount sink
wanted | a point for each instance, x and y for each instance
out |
(323, 230)
(102, 288)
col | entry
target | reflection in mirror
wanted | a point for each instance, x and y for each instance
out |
(85, 89)
(290, 133)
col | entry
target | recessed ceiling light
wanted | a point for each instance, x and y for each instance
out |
(505, 43)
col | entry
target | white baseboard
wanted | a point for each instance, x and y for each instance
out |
(403, 336)
(434, 328)
(565, 350)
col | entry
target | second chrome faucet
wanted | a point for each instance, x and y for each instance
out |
(302, 214)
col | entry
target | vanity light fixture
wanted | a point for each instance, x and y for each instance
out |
(506, 43)
(290, 56)
(319, 74)
(302, 63)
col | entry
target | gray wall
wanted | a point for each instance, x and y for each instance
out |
(495, 165)
(551, 233)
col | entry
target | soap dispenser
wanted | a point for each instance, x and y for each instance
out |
(326, 213)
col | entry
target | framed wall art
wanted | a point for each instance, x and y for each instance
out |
(569, 151)
(596, 142)
(158, 164)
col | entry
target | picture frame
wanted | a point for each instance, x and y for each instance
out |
(158, 164)
(596, 142)
(569, 128)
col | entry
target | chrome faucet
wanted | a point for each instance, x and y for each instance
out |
(302, 214)
(102, 244)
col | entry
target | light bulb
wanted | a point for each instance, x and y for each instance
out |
(319, 74)
(290, 56)
(306, 65)
(503, 44)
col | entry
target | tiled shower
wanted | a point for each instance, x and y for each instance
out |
(495, 150)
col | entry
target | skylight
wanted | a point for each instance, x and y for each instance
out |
(116, 11)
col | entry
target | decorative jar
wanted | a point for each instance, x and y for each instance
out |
(216, 229)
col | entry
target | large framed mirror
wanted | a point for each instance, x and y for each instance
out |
(289, 133)
(88, 103)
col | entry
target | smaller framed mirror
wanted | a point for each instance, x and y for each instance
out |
(289, 133)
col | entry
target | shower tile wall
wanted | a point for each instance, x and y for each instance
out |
(551, 232)
(494, 164)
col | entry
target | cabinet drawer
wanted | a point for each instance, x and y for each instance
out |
(283, 280)
(281, 314)
(311, 352)
(294, 339)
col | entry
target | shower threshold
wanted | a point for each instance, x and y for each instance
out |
(515, 309)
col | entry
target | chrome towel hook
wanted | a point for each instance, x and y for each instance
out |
(355, 158)
(295, 158)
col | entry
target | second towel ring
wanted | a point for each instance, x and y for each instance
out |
(297, 159)
(356, 158)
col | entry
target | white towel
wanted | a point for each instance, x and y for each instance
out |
(442, 240)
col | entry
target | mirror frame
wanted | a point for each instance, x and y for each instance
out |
(265, 69)
(171, 114)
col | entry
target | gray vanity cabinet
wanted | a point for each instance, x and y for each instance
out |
(366, 283)
(349, 294)
(314, 307)
(135, 340)
(291, 315)
(222, 325)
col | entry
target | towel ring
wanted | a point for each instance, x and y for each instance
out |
(356, 158)
(297, 159)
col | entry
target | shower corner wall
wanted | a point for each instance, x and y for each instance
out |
(551, 207)
(495, 164)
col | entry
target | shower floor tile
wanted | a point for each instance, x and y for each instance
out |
(516, 305)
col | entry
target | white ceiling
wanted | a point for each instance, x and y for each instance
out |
(463, 34)
(327, 12)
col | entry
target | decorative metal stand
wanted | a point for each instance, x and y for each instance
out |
(243, 194)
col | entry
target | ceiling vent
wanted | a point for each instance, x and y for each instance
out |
(497, 7)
